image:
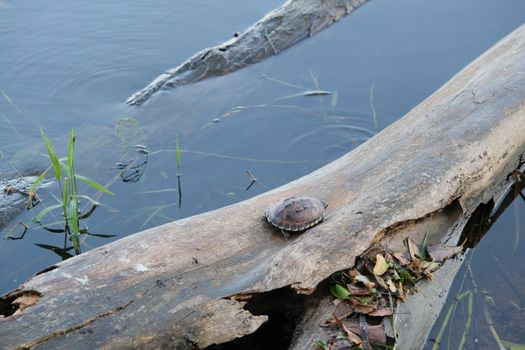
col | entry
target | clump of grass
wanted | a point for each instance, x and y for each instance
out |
(69, 200)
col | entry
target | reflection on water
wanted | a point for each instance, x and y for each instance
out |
(71, 64)
(486, 306)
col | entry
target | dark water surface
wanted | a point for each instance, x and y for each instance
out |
(68, 64)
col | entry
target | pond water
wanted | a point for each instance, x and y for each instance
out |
(71, 64)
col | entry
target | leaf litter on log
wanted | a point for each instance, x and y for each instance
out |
(377, 284)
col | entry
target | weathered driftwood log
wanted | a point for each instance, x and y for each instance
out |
(279, 29)
(184, 284)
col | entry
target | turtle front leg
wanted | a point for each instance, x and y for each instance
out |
(286, 234)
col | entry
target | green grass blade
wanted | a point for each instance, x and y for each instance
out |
(8, 122)
(52, 154)
(151, 216)
(7, 98)
(321, 344)
(65, 192)
(56, 198)
(71, 149)
(64, 166)
(45, 211)
(75, 240)
(72, 212)
(164, 190)
(93, 184)
(470, 311)
(517, 225)
(156, 211)
(443, 327)
(38, 181)
(88, 198)
(513, 346)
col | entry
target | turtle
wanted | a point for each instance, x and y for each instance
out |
(296, 214)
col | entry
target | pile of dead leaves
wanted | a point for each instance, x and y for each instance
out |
(371, 291)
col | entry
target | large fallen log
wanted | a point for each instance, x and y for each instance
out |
(294, 21)
(185, 284)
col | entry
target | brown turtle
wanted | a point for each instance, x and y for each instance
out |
(296, 214)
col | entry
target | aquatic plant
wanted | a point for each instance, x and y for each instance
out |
(69, 200)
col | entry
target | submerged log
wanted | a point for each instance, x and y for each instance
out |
(14, 197)
(294, 21)
(184, 284)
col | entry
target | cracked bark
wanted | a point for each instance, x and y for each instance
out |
(449, 150)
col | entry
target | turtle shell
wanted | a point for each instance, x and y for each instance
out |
(296, 213)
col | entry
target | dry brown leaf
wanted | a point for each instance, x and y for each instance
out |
(389, 257)
(376, 333)
(381, 265)
(353, 273)
(366, 281)
(356, 290)
(416, 264)
(391, 285)
(413, 249)
(383, 308)
(440, 252)
(354, 338)
(400, 257)
(400, 290)
(381, 282)
(429, 266)
(381, 312)
(342, 311)
(346, 326)
(364, 309)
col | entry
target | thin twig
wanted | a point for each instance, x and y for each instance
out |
(275, 52)
(234, 157)
(284, 82)
(8, 122)
(374, 115)
(252, 178)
